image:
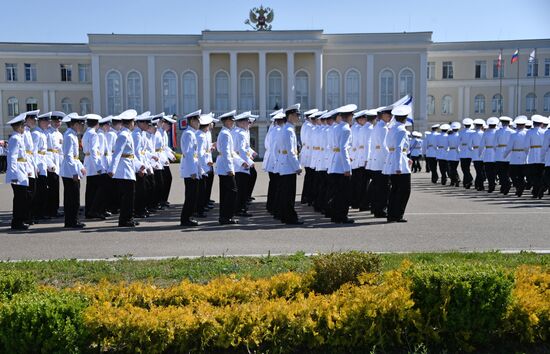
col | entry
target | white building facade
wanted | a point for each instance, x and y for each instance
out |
(263, 70)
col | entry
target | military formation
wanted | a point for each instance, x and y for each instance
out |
(502, 152)
(352, 159)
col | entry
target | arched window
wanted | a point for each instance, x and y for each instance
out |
(66, 105)
(85, 106)
(546, 107)
(222, 91)
(135, 93)
(479, 104)
(246, 91)
(496, 104)
(114, 93)
(301, 84)
(353, 87)
(333, 90)
(189, 82)
(31, 104)
(13, 107)
(274, 90)
(169, 92)
(447, 105)
(531, 103)
(386, 87)
(406, 82)
(430, 105)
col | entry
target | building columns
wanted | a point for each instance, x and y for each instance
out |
(467, 110)
(262, 84)
(151, 84)
(422, 110)
(45, 100)
(319, 79)
(96, 91)
(461, 103)
(290, 78)
(370, 81)
(206, 81)
(511, 101)
(233, 80)
(52, 101)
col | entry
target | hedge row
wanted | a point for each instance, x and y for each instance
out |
(444, 308)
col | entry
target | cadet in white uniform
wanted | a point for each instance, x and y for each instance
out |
(140, 146)
(242, 172)
(167, 125)
(270, 158)
(30, 124)
(306, 135)
(487, 149)
(113, 200)
(358, 159)
(340, 169)
(106, 151)
(378, 154)
(441, 152)
(453, 144)
(398, 166)
(367, 129)
(516, 150)
(189, 169)
(93, 162)
(476, 157)
(43, 164)
(17, 174)
(55, 144)
(124, 168)
(502, 136)
(205, 162)
(288, 166)
(72, 170)
(416, 151)
(465, 152)
(431, 150)
(546, 158)
(535, 162)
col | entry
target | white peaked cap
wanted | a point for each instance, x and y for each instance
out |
(310, 112)
(129, 114)
(493, 121)
(293, 107)
(467, 121)
(455, 125)
(92, 116)
(193, 114)
(445, 127)
(228, 114)
(105, 120)
(349, 108)
(244, 115)
(205, 119)
(274, 113)
(479, 121)
(17, 119)
(401, 111)
(505, 119)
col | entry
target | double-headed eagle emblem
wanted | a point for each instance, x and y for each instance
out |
(260, 18)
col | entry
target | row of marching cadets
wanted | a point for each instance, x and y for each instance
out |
(126, 166)
(351, 158)
(511, 152)
(234, 166)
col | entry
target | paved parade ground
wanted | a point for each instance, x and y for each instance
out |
(441, 218)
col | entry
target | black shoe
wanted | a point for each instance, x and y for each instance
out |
(391, 220)
(364, 209)
(228, 221)
(201, 215)
(251, 198)
(79, 225)
(140, 216)
(130, 223)
(344, 221)
(20, 227)
(244, 214)
(190, 223)
(294, 222)
(380, 215)
(95, 216)
(107, 214)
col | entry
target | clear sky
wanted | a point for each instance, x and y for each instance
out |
(454, 20)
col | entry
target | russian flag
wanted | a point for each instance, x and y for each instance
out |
(515, 56)
(406, 100)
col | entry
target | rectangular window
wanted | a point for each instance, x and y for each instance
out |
(30, 72)
(448, 70)
(83, 72)
(431, 70)
(481, 69)
(547, 67)
(533, 68)
(11, 72)
(66, 72)
(498, 72)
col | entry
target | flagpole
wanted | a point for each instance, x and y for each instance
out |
(500, 79)
(517, 88)
(535, 73)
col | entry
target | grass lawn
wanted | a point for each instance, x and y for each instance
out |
(63, 273)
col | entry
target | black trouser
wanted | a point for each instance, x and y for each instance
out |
(271, 192)
(40, 203)
(546, 179)
(243, 180)
(357, 187)
(416, 164)
(95, 196)
(202, 201)
(150, 191)
(480, 175)
(432, 163)
(167, 183)
(191, 198)
(503, 168)
(339, 199)
(31, 198)
(320, 203)
(3, 163)
(228, 196)
(306, 188)
(53, 194)
(465, 167)
(427, 165)
(443, 169)
(381, 188)
(20, 205)
(126, 191)
(209, 183)
(517, 174)
(491, 174)
(112, 199)
(251, 182)
(535, 171)
(71, 200)
(453, 172)
(159, 187)
(313, 188)
(399, 196)
(287, 194)
(140, 190)
(366, 193)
